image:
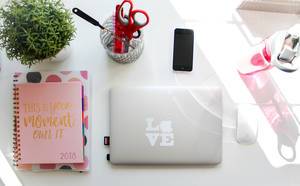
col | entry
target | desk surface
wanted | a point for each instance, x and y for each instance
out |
(221, 32)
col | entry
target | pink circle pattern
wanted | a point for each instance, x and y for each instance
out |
(84, 74)
(65, 72)
(53, 78)
(86, 122)
(74, 79)
(85, 100)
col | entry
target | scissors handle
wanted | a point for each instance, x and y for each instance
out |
(124, 19)
(138, 24)
(138, 34)
(129, 18)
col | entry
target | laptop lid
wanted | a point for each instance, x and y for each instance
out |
(165, 125)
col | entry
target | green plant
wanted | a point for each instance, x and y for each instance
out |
(33, 30)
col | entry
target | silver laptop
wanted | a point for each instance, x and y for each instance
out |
(165, 125)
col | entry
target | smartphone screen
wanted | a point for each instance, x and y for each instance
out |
(183, 49)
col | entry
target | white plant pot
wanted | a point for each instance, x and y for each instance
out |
(60, 56)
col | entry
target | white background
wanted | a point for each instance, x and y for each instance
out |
(222, 35)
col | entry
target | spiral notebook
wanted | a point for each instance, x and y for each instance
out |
(51, 121)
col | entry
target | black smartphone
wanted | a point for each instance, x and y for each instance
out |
(183, 49)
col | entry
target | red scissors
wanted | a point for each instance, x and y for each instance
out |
(129, 22)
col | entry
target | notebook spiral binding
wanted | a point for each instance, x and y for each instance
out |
(16, 127)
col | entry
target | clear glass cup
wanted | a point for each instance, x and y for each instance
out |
(107, 40)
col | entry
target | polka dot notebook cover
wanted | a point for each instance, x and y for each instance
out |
(32, 161)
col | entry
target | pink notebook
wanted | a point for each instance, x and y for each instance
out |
(49, 123)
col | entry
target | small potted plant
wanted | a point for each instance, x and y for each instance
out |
(34, 30)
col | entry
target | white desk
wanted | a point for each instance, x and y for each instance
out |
(220, 38)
